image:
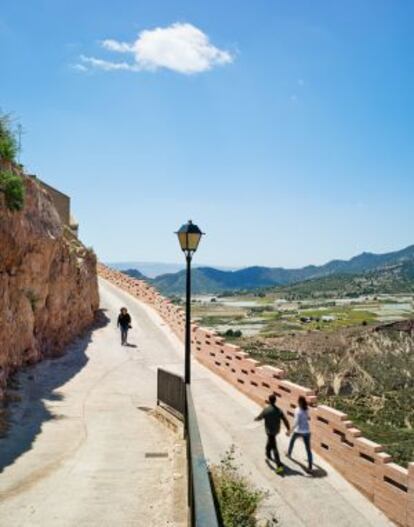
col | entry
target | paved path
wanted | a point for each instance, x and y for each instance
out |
(76, 454)
(86, 467)
(226, 417)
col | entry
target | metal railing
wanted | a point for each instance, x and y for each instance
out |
(174, 394)
(171, 391)
(200, 496)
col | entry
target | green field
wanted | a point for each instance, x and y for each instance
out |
(271, 320)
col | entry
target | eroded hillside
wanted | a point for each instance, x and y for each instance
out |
(48, 283)
(366, 372)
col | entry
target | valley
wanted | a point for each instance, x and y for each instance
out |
(269, 314)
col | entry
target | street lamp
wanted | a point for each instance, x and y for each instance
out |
(189, 236)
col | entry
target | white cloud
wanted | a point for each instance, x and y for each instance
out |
(114, 45)
(104, 64)
(180, 47)
(79, 67)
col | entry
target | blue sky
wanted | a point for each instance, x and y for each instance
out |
(289, 138)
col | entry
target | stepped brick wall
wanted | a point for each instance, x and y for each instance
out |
(361, 461)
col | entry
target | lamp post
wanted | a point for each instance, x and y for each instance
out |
(189, 236)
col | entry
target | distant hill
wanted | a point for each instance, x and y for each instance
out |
(150, 269)
(391, 279)
(135, 274)
(154, 269)
(211, 281)
(366, 261)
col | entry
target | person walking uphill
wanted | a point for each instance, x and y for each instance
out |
(301, 429)
(124, 323)
(272, 416)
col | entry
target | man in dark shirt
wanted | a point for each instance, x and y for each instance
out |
(272, 416)
(124, 322)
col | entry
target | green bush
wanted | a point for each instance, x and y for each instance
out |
(176, 300)
(232, 333)
(237, 499)
(8, 144)
(13, 188)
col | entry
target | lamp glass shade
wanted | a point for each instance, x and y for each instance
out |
(182, 238)
(189, 236)
(193, 239)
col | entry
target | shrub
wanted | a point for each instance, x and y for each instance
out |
(13, 188)
(261, 309)
(237, 499)
(8, 144)
(233, 333)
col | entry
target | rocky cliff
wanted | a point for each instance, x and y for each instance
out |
(48, 282)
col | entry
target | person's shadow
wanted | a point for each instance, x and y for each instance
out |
(28, 412)
(316, 472)
(287, 471)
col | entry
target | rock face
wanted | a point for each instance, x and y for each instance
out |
(48, 283)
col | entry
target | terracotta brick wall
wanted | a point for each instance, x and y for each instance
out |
(334, 436)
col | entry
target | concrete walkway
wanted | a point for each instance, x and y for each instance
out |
(226, 417)
(76, 454)
(83, 451)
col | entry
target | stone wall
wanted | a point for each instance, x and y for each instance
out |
(334, 436)
(61, 202)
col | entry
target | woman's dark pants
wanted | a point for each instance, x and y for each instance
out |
(306, 440)
(124, 335)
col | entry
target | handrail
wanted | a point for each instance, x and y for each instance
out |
(176, 396)
(201, 501)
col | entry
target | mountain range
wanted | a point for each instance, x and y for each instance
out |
(209, 280)
(390, 279)
(154, 269)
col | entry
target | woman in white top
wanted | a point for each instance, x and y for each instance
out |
(301, 429)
